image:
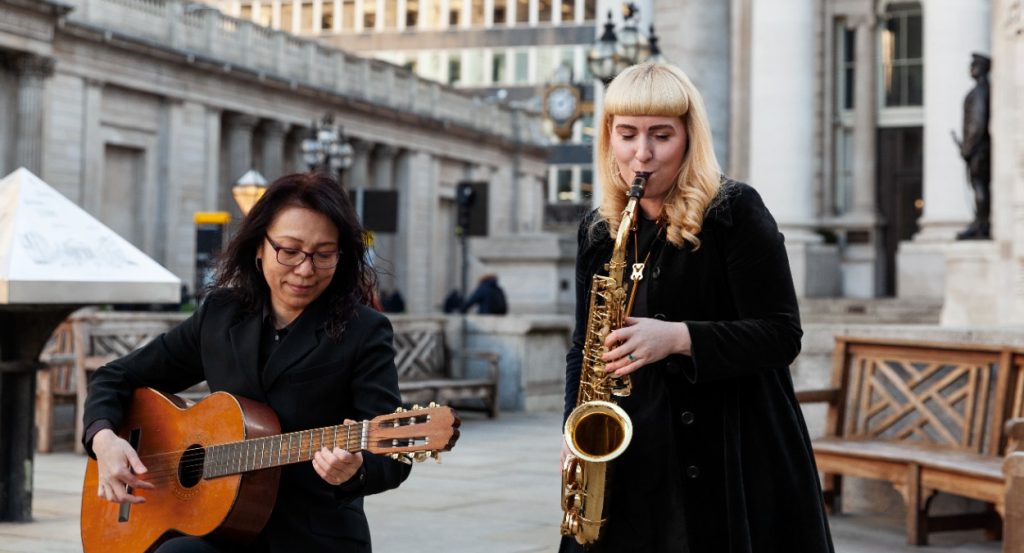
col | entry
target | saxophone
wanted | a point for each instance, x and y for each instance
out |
(598, 430)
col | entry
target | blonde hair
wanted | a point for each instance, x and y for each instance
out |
(661, 89)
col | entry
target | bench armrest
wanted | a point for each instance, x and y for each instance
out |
(823, 395)
(489, 356)
(1014, 429)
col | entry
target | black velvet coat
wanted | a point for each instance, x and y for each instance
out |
(310, 381)
(721, 428)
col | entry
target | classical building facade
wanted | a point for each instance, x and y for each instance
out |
(508, 49)
(145, 112)
(840, 112)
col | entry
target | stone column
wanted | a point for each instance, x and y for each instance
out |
(921, 262)
(417, 177)
(782, 137)
(359, 174)
(32, 73)
(691, 36)
(384, 246)
(272, 149)
(239, 136)
(863, 268)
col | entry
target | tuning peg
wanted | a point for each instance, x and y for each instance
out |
(433, 404)
(416, 407)
(421, 456)
(400, 410)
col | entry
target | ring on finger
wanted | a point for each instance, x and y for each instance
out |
(630, 357)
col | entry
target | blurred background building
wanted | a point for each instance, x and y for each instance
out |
(839, 112)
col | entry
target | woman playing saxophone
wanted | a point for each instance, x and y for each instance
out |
(719, 460)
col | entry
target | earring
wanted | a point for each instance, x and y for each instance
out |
(259, 265)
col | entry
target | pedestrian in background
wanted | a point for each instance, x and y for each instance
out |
(489, 296)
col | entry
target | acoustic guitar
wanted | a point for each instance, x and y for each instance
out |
(216, 465)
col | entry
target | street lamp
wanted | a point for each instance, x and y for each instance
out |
(612, 53)
(248, 190)
(327, 147)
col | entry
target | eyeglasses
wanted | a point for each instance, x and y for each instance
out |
(291, 257)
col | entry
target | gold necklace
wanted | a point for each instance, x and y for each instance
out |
(638, 268)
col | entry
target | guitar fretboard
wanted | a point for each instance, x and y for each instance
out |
(282, 449)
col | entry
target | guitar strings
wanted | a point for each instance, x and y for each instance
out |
(192, 463)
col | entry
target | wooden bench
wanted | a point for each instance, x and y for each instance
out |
(55, 383)
(927, 417)
(425, 370)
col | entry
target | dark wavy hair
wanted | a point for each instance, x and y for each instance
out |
(354, 280)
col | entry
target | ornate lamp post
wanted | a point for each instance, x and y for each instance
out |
(327, 148)
(612, 53)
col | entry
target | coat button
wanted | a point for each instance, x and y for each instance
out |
(656, 272)
(687, 417)
(660, 316)
(692, 471)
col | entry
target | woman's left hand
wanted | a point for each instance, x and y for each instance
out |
(337, 466)
(642, 342)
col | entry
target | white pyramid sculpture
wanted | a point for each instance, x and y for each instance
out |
(52, 251)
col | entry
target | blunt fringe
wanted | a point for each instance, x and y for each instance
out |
(354, 280)
(661, 89)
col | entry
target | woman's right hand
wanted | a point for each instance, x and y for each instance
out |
(116, 459)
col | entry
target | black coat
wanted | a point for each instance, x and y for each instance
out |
(310, 381)
(722, 427)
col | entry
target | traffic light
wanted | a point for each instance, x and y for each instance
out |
(471, 208)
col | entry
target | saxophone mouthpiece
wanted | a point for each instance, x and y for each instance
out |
(636, 190)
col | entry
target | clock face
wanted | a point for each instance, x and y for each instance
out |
(561, 104)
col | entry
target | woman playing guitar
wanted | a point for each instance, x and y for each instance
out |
(287, 325)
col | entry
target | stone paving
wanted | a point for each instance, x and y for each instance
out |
(497, 492)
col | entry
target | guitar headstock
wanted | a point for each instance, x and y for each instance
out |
(415, 434)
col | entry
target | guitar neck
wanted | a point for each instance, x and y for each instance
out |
(283, 449)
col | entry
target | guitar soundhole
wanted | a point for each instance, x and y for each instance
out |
(190, 466)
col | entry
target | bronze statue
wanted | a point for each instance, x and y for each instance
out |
(976, 149)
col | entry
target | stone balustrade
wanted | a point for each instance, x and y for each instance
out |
(208, 35)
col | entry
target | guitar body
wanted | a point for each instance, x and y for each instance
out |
(166, 433)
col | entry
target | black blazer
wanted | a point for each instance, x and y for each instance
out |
(722, 426)
(310, 381)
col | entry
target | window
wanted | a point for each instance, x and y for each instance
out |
(286, 17)
(369, 15)
(327, 17)
(500, 11)
(522, 67)
(587, 127)
(454, 68)
(391, 14)
(348, 15)
(522, 11)
(306, 18)
(476, 16)
(589, 10)
(902, 64)
(544, 10)
(563, 186)
(455, 12)
(412, 12)
(568, 7)
(498, 74)
(846, 47)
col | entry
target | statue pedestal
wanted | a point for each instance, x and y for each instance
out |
(921, 269)
(975, 288)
